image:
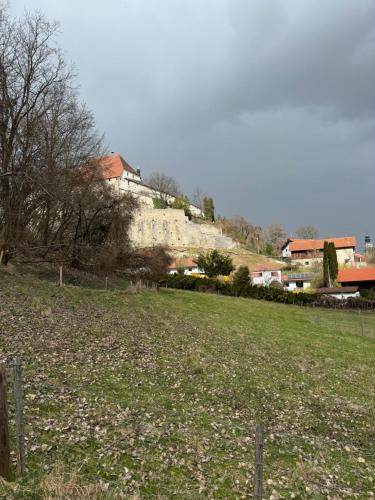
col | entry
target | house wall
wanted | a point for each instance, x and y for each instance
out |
(188, 271)
(344, 256)
(266, 278)
(343, 296)
(292, 285)
(286, 252)
(131, 183)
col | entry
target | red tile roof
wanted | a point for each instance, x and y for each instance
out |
(266, 267)
(356, 274)
(184, 262)
(111, 166)
(309, 245)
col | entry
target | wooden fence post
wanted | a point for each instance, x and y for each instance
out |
(4, 428)
(258, 479)
(18, 399)
(61, 276)
(106, 282)
(361, 320)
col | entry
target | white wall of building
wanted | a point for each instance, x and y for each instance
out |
(187, 270)
(132, 184)
(343, 296)
(286, 252)
(292, 285)
(265, 278)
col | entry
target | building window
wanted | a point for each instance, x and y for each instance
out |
(274, 273)
(190, 269)
(286, 284)
(299, 284)
(307, 262)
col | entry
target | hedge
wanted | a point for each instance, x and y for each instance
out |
(211, 285)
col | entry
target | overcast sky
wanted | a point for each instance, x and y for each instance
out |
(268, 105)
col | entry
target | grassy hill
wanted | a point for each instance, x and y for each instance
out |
(157, 395)
(240, 256)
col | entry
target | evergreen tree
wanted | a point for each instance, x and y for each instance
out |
(326, 273)
(215, 264)
(242, 276)
(330, 264)
(333, 264)
(209, 208)
(182, 202)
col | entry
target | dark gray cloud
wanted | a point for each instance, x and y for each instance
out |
(268, 105)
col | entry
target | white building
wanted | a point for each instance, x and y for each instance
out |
(187, 265)
(297, 281)
(264, 275)
(306, 252)
(124, 178)
(341, 293)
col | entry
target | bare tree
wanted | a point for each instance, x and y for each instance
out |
(50, 207)
(307, 233)
(197, 198)
(30, 68)
(276, 236)
(163, 185)
(244, 232)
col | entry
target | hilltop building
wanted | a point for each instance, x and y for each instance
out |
(306, 252)
(124, 178)
(156, 226)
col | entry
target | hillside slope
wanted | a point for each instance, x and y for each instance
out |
(239, 255)
(157, 395)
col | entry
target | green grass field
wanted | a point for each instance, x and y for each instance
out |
(157, 395)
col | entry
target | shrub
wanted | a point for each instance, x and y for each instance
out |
(274, 294)
(215, 264)
(242, 276)
(159, 203)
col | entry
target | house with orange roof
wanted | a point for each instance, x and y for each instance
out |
(306, 252)
(124, 178)
(363, 277)
(265, 274)
(186, 264)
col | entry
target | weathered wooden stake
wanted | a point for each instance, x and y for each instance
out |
(106, 282)
(4, 428)
(61, 276)
(361, 320)
(18, 399)
(258, 480)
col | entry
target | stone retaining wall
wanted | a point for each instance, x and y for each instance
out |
(170, 227)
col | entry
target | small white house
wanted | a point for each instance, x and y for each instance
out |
(186, 264)
(341, 293)
(264, 275)
(297, 281)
